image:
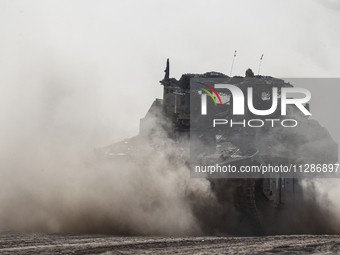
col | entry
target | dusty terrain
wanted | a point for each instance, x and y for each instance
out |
(100, 244)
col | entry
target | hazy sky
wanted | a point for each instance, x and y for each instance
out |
(110, 55)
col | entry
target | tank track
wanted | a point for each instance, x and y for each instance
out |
(244, 199)
(248, 208)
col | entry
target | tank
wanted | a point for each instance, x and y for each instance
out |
(246, 145)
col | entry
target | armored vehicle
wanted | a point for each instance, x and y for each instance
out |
(273, 139)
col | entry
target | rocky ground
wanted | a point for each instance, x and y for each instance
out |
(99, 244)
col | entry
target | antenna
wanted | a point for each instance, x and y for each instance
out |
(232, 65)
(167, 70)
(258, 73)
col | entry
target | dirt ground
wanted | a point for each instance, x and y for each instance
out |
(99, 244)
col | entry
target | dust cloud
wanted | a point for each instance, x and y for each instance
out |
(51, 180)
